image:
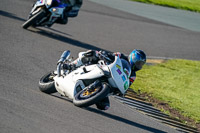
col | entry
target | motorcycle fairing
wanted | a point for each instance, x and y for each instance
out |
(122, 83)
(88, 72)
(73, 82)
(56, 12)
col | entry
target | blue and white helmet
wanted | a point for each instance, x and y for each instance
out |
(137, 58)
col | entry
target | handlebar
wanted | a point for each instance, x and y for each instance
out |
(104, 56)
(65, 55)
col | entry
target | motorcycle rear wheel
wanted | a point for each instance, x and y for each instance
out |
(31, 21)
(85, 98)
(46, 83)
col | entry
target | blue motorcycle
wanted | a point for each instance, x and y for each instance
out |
(47, 12)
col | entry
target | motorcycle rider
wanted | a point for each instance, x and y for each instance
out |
(72, 12)
(136, 59)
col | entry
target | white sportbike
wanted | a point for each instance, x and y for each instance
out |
(88, 84)
(47, 12)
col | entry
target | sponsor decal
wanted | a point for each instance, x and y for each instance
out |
(123, 78)
(126, 72)
(118, 66)
(119, 72)
(126, 86)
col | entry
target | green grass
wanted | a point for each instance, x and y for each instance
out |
(191, 5)
(176, 82)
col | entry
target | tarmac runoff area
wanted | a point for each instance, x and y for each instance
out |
(180, 18)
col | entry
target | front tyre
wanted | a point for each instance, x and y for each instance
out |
(31, 21)
(46, 83)
(86, 97)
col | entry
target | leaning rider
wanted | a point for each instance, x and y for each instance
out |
(72, 12)
(137, 58)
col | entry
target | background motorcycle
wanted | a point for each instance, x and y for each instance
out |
(88, 84)
(47, 12)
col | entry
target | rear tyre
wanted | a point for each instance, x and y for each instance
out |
(31, 21)
(46, 83)
(85, 98)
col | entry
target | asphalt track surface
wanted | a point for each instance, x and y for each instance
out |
(180, 18)
(26, 55)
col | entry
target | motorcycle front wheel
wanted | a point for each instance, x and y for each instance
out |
(87, 97)
(31, 21)
(46, 83)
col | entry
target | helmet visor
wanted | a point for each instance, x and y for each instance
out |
(139, 64)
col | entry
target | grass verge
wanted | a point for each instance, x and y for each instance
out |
(175, 82)
(191, 5)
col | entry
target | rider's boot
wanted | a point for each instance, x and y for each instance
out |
(75, 8)
(63, 20)
(73, 12)
(103, 104)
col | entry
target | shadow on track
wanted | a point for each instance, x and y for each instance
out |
(64, 39)
(54, 35)
(59, 32)
(114, 117)
(10, 15)
(126, 121)
(56, 95)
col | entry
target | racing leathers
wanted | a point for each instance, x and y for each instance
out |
(92, 57)
(71, 12)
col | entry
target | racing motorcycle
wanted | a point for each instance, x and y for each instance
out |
(47, 12)
(87, 84)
